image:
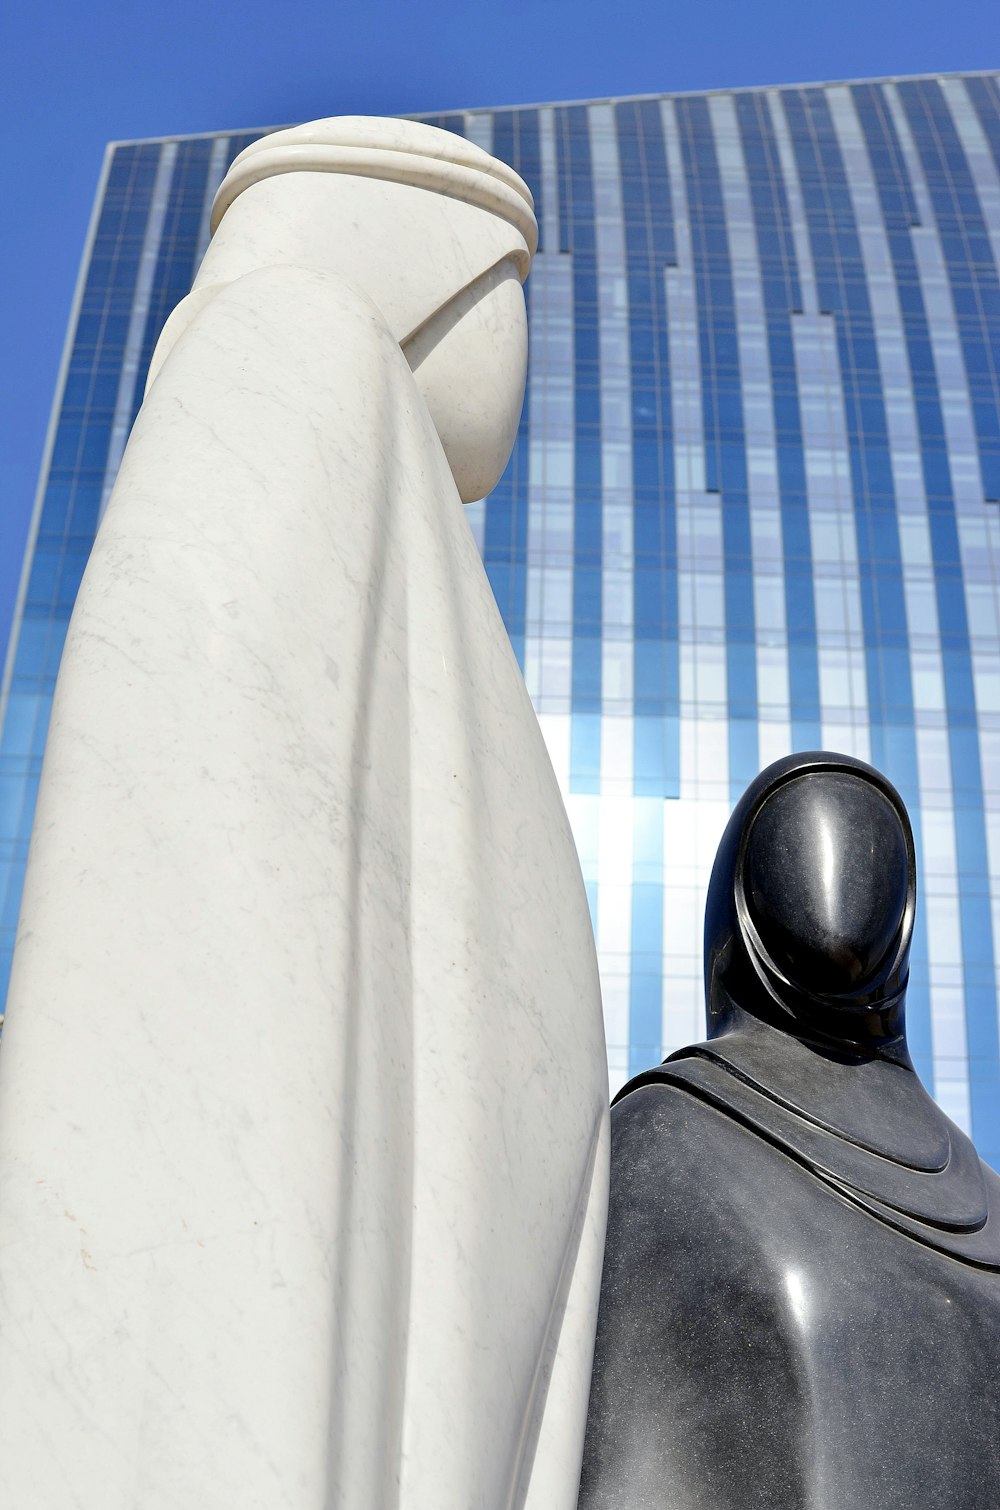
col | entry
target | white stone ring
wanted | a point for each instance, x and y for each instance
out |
(466, 173)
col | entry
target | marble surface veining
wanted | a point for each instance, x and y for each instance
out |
(303, 1127)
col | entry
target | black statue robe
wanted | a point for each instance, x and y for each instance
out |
(800, 1306)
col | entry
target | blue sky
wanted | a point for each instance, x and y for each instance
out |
(74, 76)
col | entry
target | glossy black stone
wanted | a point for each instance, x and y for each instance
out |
(800, 1307)
(825, 880)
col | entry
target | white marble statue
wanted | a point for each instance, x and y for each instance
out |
(303, 1128)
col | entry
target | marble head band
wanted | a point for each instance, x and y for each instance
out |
(397, 151)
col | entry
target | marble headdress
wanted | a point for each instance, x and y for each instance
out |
(449, 234)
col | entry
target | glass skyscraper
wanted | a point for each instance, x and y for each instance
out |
(754, 504)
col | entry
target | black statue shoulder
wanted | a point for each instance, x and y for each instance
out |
(683, 1292)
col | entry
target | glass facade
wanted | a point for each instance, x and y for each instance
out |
(754, 504)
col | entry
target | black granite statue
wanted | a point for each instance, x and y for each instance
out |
(800, 1307)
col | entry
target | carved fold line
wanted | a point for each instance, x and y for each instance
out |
(961, 1168)
(535, 1405)
(741, 1075)
(418, 343)
(455, 180)
(931, 1233)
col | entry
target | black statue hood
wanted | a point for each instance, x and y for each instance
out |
(810, 907)
(808, 925)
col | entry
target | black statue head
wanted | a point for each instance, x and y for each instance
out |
(811, 902)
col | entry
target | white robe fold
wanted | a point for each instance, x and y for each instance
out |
(303, 1128)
